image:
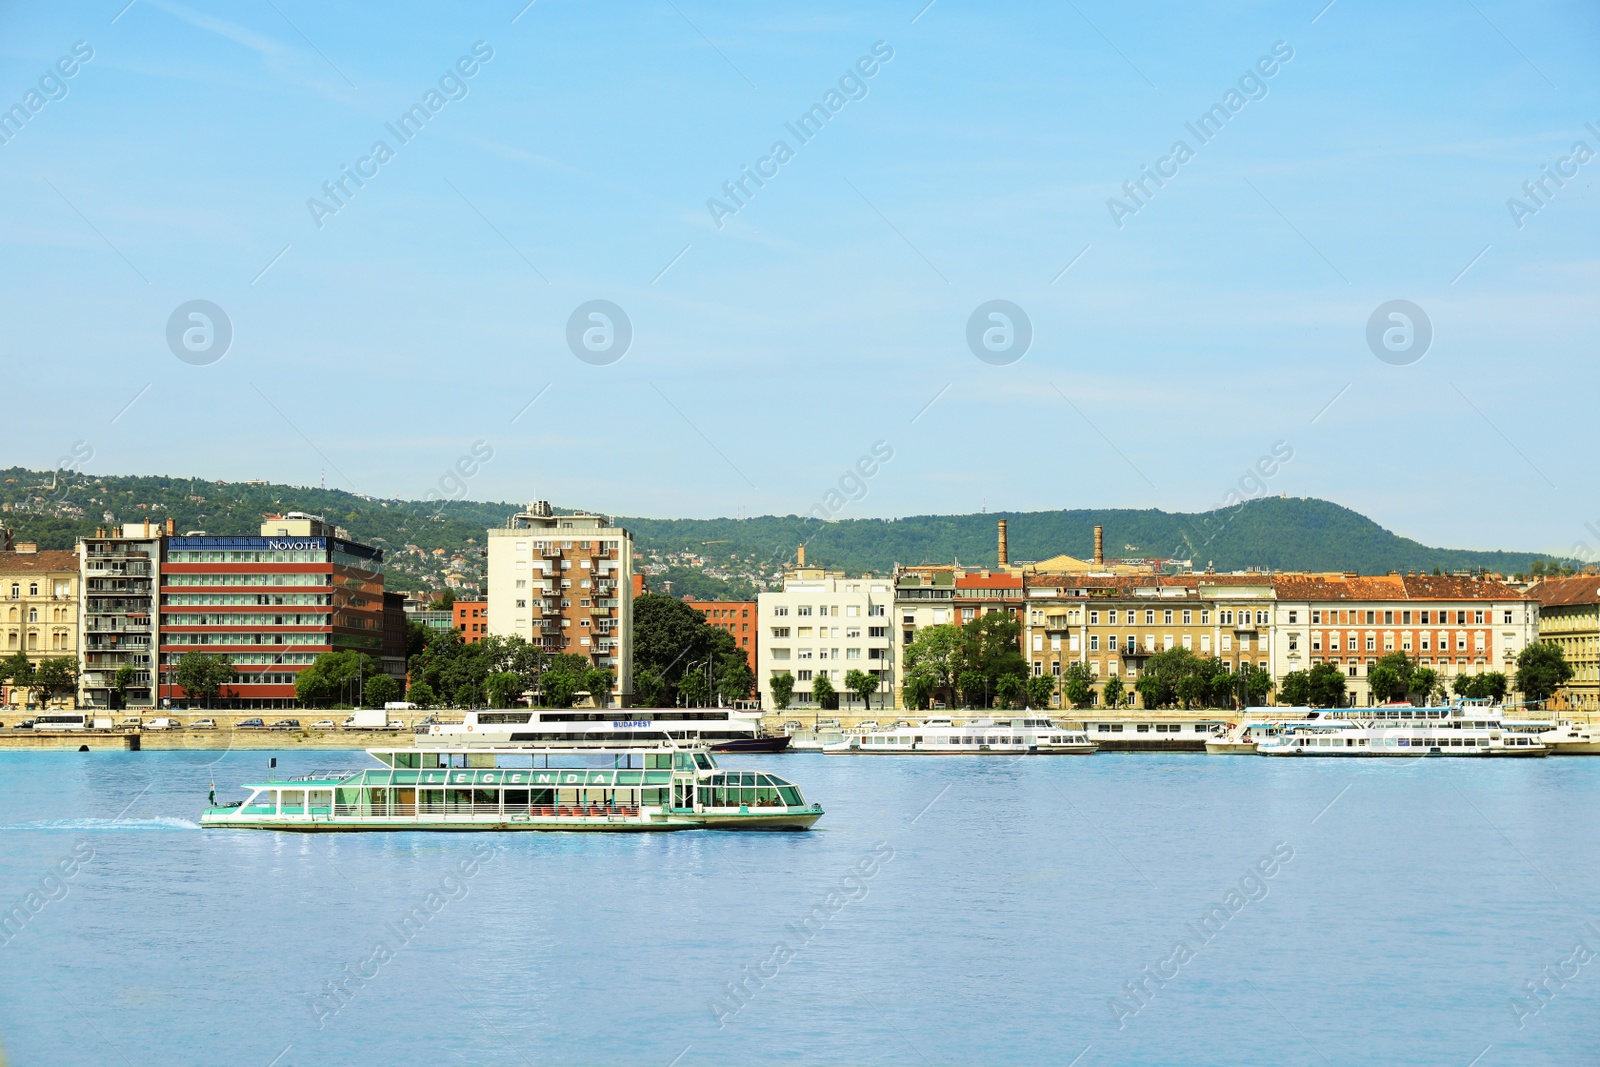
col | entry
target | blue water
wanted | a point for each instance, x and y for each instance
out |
(982, 911)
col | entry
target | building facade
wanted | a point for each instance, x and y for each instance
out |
(823, 622)
(565, 584)
(739, 619)
(1569, 617)
(119, 575)
(38, 609)
(471, 620)
(1450, 624)
(271, 604)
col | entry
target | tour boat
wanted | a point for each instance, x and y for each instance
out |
(494, 787)
(1254, 726)
(722, 729)
(1402, 731)
(941, 736)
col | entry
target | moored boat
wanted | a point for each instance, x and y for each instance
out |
(518, 788)
(941, 736)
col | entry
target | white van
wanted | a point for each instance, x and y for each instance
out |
(163, 724)
(66, 720)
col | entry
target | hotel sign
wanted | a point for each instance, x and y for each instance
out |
(300, 544)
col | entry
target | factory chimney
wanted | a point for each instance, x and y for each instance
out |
(800, 557)
(1099, 546)
(1004, 557)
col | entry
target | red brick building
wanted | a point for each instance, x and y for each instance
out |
(472, 620)
(736, 617)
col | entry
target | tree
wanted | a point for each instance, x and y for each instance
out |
(422, 695)
(1257, 685)
(1112, 691)
(1424, 680)
(673, 641)
(57, 677)
(1326, 686)
(1296, 689)
(782, 689)
(202, 676)
(734, 678)
(991, 648)
(121, 682)
(382, 690)
(648, 689)
(1009, 688)
(1158, 682)
(445, 601)
(1077, 684)
(863, 684)
(1492, 685)
(1542, 668)
(932, 661)
(333, 677)
(597, 682)
(504, 689)
(1039, 689)
(822, 690)
(919, 687)
(974, 688)
(19, 671)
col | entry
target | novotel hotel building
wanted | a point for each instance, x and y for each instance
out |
(271, 604)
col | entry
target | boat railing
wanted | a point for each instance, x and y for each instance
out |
(409, 810)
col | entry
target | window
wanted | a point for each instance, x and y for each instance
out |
(877, 631)
(33, 590)
(1316, 618)
(1205, 618)
(781, 609)
(1294, 616)
(780, 631)
(1371, 617)
(852, 610)
(1388, 618)
(1294, 642)
(852, 631)
(803, 609)
(1477, 617)
(1508, 618)
(1166, 616)
(852, 653)
(1094, 642)
(1425, 619)
(1094, 618)
(1372, 641)
(1261, 618)
(1405, 618)
(1188, 617)
(802, 676)
(1461, 618)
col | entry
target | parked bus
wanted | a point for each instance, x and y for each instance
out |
(66, 720)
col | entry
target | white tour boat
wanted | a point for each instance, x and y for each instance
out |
(940, 736)
(723, 729)
(1402, 730)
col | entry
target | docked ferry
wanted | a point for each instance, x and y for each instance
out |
(940, 736)
(722, 729)
(1402, 731)
(503, 788)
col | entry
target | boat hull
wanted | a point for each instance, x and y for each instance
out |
(645, 823)
(752, 744)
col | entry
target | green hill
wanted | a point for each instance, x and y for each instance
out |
(729, 555)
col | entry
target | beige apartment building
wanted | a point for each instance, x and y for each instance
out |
(38, 608)
(1569, 616)
(823, 622)
(565, 584)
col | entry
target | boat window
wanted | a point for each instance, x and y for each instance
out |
(294, 801)
(703, 761)
(1144, 728)
(790, 796)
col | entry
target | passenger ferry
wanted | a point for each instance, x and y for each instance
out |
(722, 729)
(1402, 731)
(518, 788)
(941, 736)
(1254, 726)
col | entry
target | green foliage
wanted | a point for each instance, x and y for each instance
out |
(333, 678)
(422, 695)
(202, 676)
(1010, 689)
(782, 689)
(121, 682)
(1039, 689)
(692, 581)
(648, 689)
(1323, 686)
(1491, 685)
(18, 670)
(1542, 668)
(381, 689)
(863, 684)
(1177, 677)
(822, 691)
(504, 689)
(58, 677)
(673, 641)
(1112, 691)
(1077, 684)
(918, 687)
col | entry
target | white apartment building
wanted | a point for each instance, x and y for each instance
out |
(565, 584)
(825, 623)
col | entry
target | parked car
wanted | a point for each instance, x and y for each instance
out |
(25, 724)
(163, 724)
(132, 722)
(203, 724)
(286, 724)
(257, 723)
(323, 724)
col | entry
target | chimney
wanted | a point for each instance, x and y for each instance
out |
(1099, 546)
(800, 556)
(1004, 558)
(147, 527)
(172, 527)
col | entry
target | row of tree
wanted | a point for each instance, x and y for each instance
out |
(55, 678)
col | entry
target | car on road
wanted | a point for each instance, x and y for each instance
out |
(257, 723)
(203, 724)
(25, 724)
(163, 724)
(323, 724)
(286, 724)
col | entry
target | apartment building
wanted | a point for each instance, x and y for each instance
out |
(825, 623)
(1114, 624)
(271, 604)
(1569, 617)
(38, 605)
(565, 583)
(1451, 624)
(739, 619)
(119, 574)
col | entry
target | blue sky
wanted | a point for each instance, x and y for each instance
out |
(1226, 315)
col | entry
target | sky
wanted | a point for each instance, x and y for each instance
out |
(1164, 341)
